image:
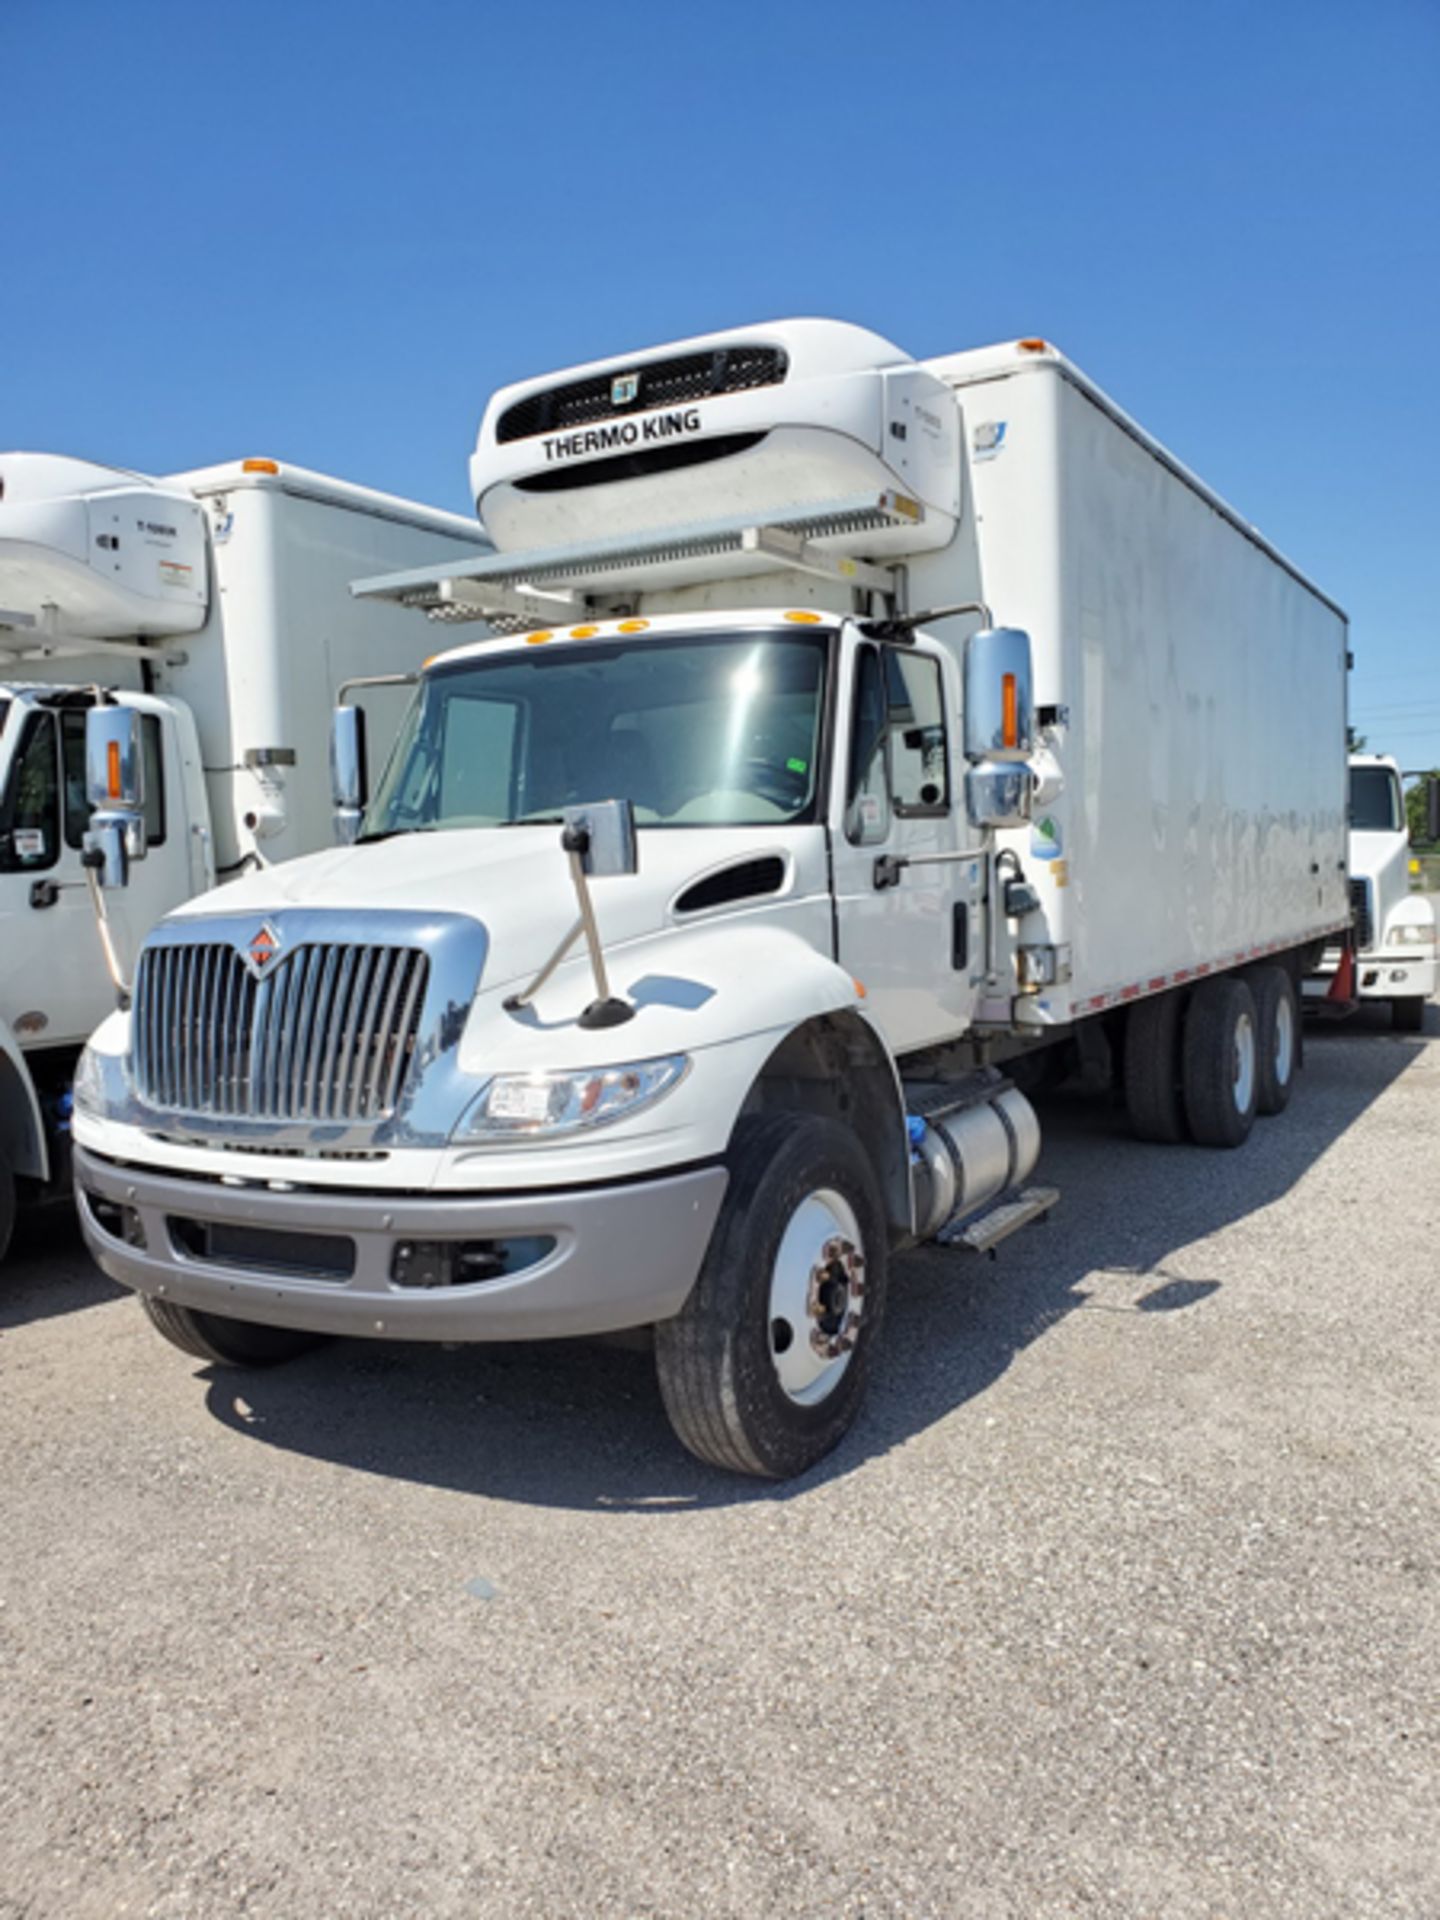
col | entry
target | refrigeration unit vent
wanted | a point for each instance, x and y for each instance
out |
(656, 383)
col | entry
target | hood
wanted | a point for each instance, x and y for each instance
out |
(515, 881)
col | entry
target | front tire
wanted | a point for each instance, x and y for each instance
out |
(1408, 1016)
(1221, 1059)
(224, 1342)
(7, 1204)
(764, 1368)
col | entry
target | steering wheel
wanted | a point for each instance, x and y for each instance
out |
(772, 780)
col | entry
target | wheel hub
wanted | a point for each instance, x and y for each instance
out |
(817, 1297)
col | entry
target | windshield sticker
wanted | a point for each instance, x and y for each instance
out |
(29, 843)
(797, 766)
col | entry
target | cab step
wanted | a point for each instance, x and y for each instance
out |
(986, 1233)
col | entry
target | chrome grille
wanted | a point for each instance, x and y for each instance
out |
(1361, 915)
(327, 1034)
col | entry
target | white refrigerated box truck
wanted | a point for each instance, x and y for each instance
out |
(216, 605)
(842, 730)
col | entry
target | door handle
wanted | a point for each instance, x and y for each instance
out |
(43, 893)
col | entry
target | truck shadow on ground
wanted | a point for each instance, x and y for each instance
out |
(581, 1426)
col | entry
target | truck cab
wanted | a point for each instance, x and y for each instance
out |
(1395, 935)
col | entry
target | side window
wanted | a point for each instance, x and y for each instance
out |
(30, 807)
(919, 781)
(77, 813)
(867, 801)
(477, 768)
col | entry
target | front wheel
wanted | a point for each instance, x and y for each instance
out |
(763, 1369)
(225, 1342)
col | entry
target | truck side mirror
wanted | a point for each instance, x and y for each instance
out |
(602, 833)
(349, 771)
(115, 789)
(1432, 807)
(999, 726)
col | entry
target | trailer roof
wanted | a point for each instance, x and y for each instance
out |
(1007, 358)
(279, 476)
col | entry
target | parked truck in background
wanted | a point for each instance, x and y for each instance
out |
(216, 606)
(841, 731)
(1392, 950)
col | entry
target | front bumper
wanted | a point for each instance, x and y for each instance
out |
(1389, 975)
(623, 1256)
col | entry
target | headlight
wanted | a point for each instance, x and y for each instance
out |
(1415, 935)
(88, 1086)
(519, 1106)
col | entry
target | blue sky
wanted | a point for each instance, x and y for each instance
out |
(325, 231)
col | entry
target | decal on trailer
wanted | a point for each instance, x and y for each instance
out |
(619, 434)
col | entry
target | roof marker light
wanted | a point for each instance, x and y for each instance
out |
(805, 619)
(1033, 346)
(539, 639)
(260, 466)
(583, 633)
(632, 626)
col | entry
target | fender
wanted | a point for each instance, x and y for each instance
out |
(22, 1130)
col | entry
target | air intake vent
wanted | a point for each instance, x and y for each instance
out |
(1361, 915)
(746, 880)
(631, 466)
(659, 383)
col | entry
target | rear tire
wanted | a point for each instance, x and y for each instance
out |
(1408, 1015)
(224, 1342)
(1277, 1036)
(1221, 1061)
(1153, 1070)
(764, 1368)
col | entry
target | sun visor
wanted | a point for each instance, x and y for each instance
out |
(757, 421)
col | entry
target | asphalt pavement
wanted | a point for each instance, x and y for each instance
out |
(1121, 1600)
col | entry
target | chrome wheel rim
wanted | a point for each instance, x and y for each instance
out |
(1244, 1063)
(1284, 1041)
(817, 1297)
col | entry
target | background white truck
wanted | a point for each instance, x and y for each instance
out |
(1393, 943)
(847, 860)
(216, 604)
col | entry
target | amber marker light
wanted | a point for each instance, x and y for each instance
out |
(1033, 346)
(859, 986)
(260, 466)
(632, 626)
(1009, 711)
(539, 639)
(112, 768)
(805, 619)
(583, 633)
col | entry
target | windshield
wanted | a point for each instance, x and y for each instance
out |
(711, 730)
(1374, 800)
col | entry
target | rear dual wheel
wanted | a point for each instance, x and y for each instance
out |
(1201, 1065)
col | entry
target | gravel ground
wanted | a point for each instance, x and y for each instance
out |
(1121, 1600)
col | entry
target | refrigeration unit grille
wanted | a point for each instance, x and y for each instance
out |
(656, 383)
(327, 1034)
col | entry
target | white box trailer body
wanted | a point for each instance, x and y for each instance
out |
(1200, 682)
(877, 853)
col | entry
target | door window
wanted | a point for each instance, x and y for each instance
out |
(30, 807)
(898, 756)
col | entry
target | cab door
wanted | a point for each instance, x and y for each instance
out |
(908, 924)
(54, 986)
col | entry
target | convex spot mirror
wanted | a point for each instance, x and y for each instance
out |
(602, 833)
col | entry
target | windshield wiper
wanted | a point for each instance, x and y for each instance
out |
(535, 820)
(391, 833)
